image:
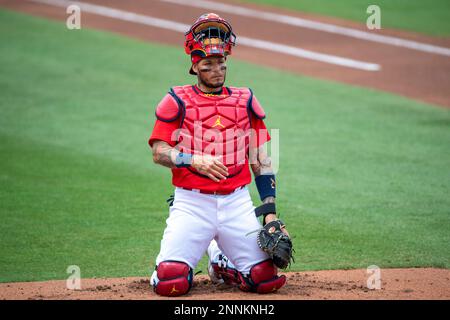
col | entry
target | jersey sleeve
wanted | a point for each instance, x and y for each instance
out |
(163, 131)
(261, 132)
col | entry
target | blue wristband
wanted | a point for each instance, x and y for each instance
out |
(266, 185)
(183, 160)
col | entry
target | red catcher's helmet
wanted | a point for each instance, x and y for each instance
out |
(210, 35)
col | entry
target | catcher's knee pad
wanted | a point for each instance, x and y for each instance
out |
(262, 278)
(172, 278)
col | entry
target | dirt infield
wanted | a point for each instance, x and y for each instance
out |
(405, 284)
(419, 75)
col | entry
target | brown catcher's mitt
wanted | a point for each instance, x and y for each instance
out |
(276, 244)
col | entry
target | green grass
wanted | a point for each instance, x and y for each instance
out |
(363, 175)
(428, 17)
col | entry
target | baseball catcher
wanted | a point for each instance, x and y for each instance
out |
(210, 135)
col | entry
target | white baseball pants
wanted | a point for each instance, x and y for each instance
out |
(196, 218)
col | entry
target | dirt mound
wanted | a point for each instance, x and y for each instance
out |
(424, 283)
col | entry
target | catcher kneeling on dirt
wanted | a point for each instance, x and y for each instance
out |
(209, 135)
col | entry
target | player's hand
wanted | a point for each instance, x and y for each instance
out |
(271, 217)
(210, 166)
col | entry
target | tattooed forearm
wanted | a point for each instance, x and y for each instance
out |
(262, 163)
(164, 154)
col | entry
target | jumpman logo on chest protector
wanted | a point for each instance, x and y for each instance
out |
(218, 123)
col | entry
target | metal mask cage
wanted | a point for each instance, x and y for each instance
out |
(205, 38)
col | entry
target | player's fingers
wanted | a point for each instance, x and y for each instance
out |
(220, 170)
(212, 177)
(217, 174)
(218, 163)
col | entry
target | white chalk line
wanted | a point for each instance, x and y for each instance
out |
(310, 24)
(179, 27)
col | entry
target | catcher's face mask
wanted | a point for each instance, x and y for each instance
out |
(209, 36)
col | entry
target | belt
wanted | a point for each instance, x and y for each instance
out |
(221, 193)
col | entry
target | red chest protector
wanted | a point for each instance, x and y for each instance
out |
(215, 125)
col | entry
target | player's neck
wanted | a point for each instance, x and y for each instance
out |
(209, 90)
